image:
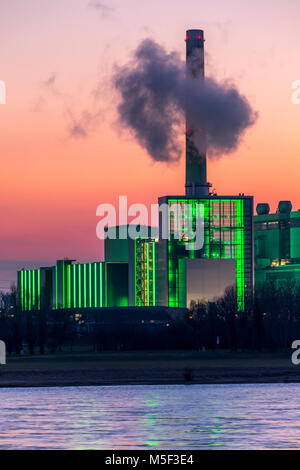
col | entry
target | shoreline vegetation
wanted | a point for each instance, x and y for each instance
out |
(148, 368)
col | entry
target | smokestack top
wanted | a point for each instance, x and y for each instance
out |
(194, 38)
(195, 52)
(194, 33)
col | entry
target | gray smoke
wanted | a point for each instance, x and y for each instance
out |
(156, 94)
(50, 82)
(104, 10)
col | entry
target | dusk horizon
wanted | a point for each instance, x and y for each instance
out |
(150, 244)
(60, 176)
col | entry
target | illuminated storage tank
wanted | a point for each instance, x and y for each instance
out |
(116, 275)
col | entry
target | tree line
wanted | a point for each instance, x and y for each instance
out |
(270, 322)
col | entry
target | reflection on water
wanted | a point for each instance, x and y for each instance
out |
(139, 417)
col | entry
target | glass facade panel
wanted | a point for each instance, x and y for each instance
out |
(145, 267)
(224, 231)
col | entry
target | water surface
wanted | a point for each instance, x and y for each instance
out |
(263, 416)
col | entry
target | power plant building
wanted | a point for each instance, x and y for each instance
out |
(204, 243)
(277, 243)
(227, 237)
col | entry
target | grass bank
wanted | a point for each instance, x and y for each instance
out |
(147, 367)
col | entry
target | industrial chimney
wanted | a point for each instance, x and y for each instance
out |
(195, 180)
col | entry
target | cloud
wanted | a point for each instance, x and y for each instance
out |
(47, 87)
(156, 94)
(82, 124)
(50, 82)
(81, 120)
(77, 130)
(104, 10)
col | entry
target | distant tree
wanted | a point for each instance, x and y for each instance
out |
(198, 310)
(31, 331)
(258, 327)
(228, 308)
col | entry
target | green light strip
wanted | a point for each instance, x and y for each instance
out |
(25, 289)
(95, 285)
(69, 285)
(39, 289)
(135, 290)
(154, 273)
(79, 285)
(172, 295)
(101, 284)
(148, 280)
(74, 285)
(240, 281)
(22, 290)
(105, 281)
(64, 287)
(84, 286)
(29, 290)
(90, 285)
(33, 290)
(56, 288)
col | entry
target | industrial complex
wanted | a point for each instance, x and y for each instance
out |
(158, 271)
(277, 243)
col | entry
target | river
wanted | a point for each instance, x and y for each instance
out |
(264, 416)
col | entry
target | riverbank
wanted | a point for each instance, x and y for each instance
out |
(147, 367)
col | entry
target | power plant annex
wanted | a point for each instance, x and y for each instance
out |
(158, 272)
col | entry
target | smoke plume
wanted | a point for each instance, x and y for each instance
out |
(104, 10)
(156, 93)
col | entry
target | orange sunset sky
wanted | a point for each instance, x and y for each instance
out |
(57, 58)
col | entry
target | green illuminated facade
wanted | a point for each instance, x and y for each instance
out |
(227, 234)
(78, 285)
(131, 267)
(148, 271)
(277, 243)
(145, 272)
(64, 286)
(29, 284)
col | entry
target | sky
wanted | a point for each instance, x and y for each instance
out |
(62, 152)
